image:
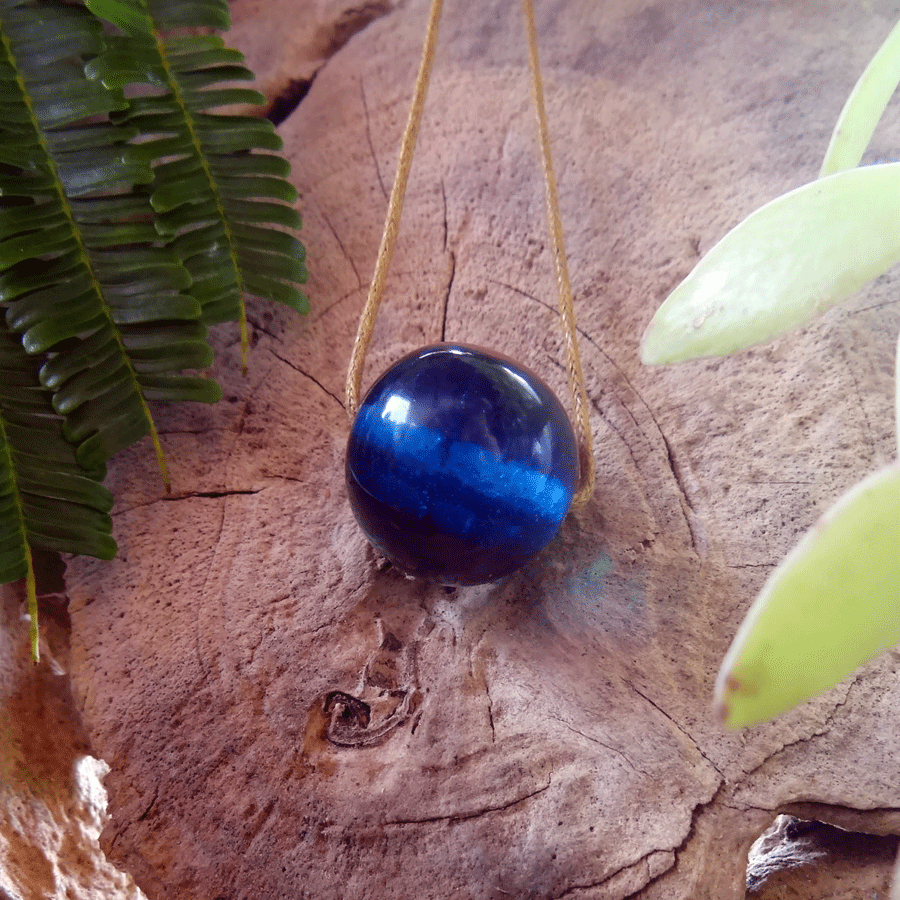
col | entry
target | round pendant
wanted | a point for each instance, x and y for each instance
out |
(461, 464)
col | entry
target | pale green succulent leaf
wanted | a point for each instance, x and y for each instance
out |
(897, 395)
(791, 260)
(864, 108)
(831, 605)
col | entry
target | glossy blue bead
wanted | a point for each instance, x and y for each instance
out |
(461, 464)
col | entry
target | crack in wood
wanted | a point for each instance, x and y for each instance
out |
(352, 21)
(340, 244)
(856, 312)
(814, 810)
(679, 728)
(446, 227)
(490, 710)
(205, 667)
(321, 313)
(362, 90)
(826, 727)
(447, 296)
(474, 814)
(336, 36)
(594, 740)
(312, 378)
(289, 98)
(600, 413)
(594, 885)
(698, 810)
(206, 495)
(210, 495)
(150, 806)
(675, 468)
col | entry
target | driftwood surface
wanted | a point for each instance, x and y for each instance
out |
(285, 717)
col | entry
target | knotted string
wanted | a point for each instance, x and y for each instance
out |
(392, 224)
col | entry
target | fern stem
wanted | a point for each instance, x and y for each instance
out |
(245, 340)
(161, 460)
(19, 512)
(178, 97)
(31, 591)
(82, 251)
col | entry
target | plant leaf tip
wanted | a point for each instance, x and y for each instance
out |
(722, 712)
(727, 707)
(653, 349)
(646, 350)
(721, 708)
(647, 356)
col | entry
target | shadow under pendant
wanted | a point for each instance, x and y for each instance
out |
(461, 464)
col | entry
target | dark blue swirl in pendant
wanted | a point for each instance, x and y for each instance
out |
(461, 464)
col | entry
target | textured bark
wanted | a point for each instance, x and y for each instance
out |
(801, 859)
(52, 802)
(283, 716)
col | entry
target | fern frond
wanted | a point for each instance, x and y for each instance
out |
(216, 189)
(126, 226)
(46, 498)
(83, 273)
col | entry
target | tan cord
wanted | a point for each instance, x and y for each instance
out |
(391, 227)
(587, 475)
(395, 210)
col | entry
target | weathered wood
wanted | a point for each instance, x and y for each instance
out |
(52, 802)
(801, 859)
(550, 736)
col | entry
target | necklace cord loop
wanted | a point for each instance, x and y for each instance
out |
(587, 476)
(395, 210)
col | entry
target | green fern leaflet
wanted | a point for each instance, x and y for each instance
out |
(46, 498)
(134, 213)
(83, 274)
(219, 186)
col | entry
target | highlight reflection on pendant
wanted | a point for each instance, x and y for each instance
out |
(461, 464)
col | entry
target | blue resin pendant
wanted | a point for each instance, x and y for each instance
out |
(461, 464)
